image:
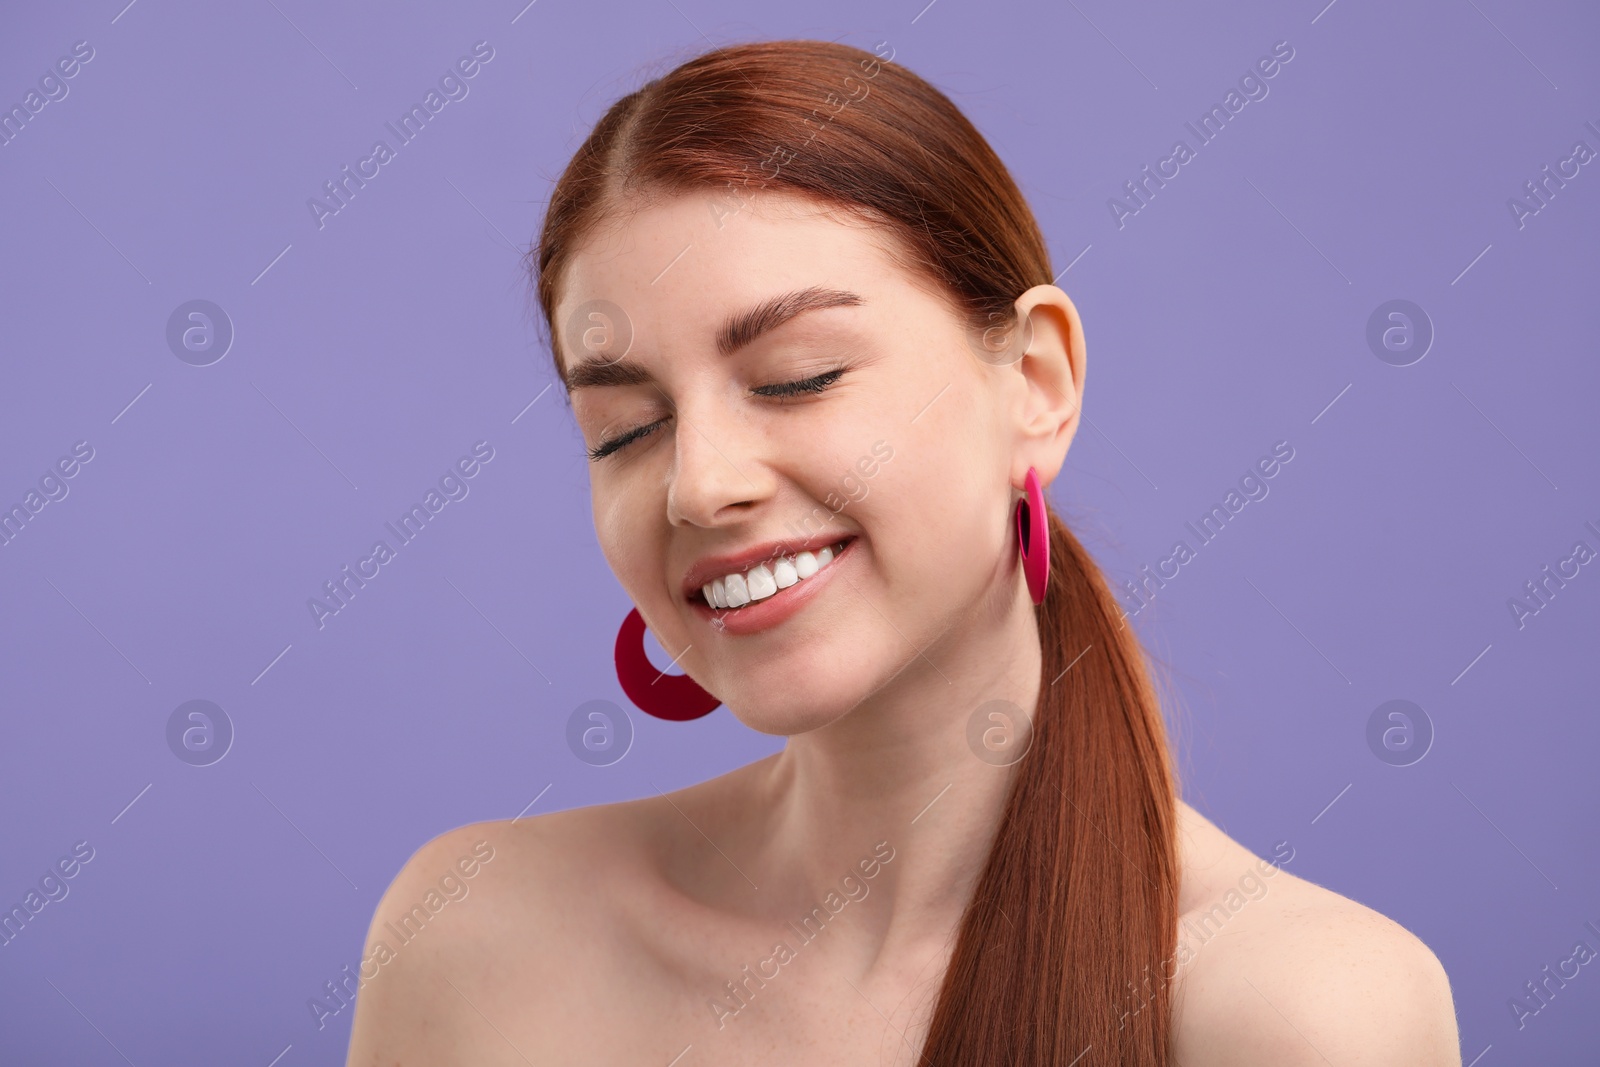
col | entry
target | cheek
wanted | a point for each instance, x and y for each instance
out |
(947, 516)
(627, 539)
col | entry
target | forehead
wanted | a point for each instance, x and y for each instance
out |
(676, 267)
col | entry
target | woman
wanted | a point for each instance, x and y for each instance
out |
(806, 324)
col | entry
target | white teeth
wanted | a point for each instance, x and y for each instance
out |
(765, 579)
(760, 582)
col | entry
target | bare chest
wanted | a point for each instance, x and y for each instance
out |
(690, 996)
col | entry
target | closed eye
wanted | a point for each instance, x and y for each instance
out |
(780, 391)
(808, 385)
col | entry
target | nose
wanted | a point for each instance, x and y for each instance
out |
(716, 475)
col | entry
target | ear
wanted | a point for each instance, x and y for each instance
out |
(1052, 372)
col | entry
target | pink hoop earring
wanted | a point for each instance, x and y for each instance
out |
(674, 697)
(1033, 537)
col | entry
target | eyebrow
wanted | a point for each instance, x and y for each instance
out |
(738, 331)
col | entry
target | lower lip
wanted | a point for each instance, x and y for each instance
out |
(764, 614)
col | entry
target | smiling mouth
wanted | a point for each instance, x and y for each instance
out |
(762, 581)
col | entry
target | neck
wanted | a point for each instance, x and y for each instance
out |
(899, 769)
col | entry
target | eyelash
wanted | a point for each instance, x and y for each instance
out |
(781, 391)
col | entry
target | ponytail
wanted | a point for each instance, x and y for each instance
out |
(1064, 952)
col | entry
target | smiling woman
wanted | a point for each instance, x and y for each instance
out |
(722, 368)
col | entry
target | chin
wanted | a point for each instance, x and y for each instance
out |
(811, 678)
(787, 711)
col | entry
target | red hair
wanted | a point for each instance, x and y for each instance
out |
(1064, 953)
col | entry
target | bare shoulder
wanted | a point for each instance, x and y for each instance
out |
(476, 912)
(1273, 969)
(488, 944)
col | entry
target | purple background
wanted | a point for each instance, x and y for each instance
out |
(370, 354)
